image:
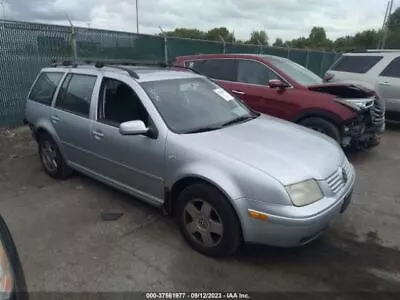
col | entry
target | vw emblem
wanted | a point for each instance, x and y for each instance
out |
(343, 173)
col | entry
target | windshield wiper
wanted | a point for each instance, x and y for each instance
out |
(203, 129)
(240, 119)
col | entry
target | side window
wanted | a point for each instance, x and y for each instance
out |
(222, 69)
(250, 71)
(393, 69)
(118, 103)
(195, 64)
(45, 87)
(356, 64)
(76, 93)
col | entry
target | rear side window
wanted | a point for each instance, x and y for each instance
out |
(221, 69)
(393, 69)
(356, 64)
(45, 87)
(76, 93)
(253, 72)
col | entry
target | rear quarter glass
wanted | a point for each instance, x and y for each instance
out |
(356, 64)
(44, 87)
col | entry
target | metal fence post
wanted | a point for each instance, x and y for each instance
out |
(307, 58)
(223, 44)
(322, 64)
(73, 41)
(165, 45)
(288, 51)
(261, 46)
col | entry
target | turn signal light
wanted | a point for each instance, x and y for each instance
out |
(257, 215)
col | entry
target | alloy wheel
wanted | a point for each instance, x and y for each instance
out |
(203, 223)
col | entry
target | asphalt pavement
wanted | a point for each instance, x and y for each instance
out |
(66, 245)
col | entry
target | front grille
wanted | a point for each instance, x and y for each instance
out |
(377, 113)
(336, 181)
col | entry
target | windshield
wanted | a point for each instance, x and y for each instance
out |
(194, 104)
(296, 71)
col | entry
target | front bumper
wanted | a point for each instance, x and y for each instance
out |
(291, 231)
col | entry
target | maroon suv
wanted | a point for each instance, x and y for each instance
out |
(352, 115)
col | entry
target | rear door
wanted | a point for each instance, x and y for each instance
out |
(252, 87)
(222, 70)
(389, 85)
(70, 117)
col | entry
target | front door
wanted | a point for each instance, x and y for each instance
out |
(252, 87)
(134, 162)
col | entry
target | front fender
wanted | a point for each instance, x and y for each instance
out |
(209, 173)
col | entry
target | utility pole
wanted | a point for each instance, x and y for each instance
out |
(4, 10)
(386, 23)
(137, 16)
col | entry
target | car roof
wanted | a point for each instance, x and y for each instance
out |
(145, 73)
(234, 55)
(386, 53)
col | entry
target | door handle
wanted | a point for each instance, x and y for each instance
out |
(98, 134)
(385, 83)
(238, 92)
(54, 119)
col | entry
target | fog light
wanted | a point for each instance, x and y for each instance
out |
(257, 215)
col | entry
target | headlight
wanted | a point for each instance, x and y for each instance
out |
(304, 193)
(353, 106)
(6, 275)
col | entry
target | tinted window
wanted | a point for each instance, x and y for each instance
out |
(118, 103)
(45, 87)
(393, 69)
(295, 71)
(76, 93)
(194, 103)
(250, 71)
(222, 69)
(356, 64)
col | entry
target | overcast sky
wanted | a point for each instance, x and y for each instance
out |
(280, 18)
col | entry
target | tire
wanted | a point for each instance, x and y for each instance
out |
(323, 126)
(207, 221)
(51, 158)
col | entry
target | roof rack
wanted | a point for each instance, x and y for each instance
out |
(118, 64)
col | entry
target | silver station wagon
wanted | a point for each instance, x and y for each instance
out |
(180, 142)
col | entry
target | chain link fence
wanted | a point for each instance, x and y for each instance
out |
(25, 48)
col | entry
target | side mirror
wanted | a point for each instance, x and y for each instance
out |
(136, 127)
(12, 278)
(276, 83)
(328, 76)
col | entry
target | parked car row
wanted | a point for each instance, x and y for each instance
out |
(349, 113)
(186, 144)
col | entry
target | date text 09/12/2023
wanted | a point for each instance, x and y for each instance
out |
(197, 295)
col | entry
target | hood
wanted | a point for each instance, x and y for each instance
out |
(342, 90)
(288, 152)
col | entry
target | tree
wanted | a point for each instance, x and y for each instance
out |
(258, 37)
(278, 43)
(301, 42)
(317, 35)
(394, 20)
(186, 33)
(215, 34)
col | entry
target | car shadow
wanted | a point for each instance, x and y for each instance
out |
(341, 263)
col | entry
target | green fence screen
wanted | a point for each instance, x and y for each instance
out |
(25, 48)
